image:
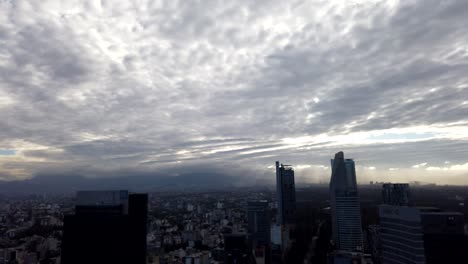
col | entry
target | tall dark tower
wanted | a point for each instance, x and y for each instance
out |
(138, 213)
(345, 205)
(286, 192)
(258, 215)
(107, 227)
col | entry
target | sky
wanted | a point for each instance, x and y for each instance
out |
(108, 88)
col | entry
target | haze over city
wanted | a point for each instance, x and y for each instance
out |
(177, 88)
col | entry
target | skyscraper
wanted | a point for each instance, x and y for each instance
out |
(286, 194)
(346, 209)
(258, 215)
(397, 194)
(259, 220)
(237, 250)
(413, 235)
(107, 227)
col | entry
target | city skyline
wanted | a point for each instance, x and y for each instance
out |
(166, 88)
(240, 226)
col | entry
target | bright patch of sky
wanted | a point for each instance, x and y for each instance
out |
(404, 136)
(7, 152)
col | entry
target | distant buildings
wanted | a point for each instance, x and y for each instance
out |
(397, 194)
(346, 211)
(286, 193)
(198, 258)
(107, 227)
(421, 236)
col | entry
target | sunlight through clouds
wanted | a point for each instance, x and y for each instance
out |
(165, 86)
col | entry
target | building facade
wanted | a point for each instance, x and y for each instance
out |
(397, 194)
(286, 194)
(258, 214)
(401, 235)
(237, 250)
(413, 235)
(107, 227)
(345, 205)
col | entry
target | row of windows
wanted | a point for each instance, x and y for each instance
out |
(384, 220)
(347, 201)
(351, 213)
(415, 243)
(401, 234)
(408, 229)
(348, 219)
(417, 249)
(349, 222)
(391, 259)
(394, 261)
(355, 237)
(350, 229)
(346, 205)
(343, 215)
(396, 252)
(347, 197)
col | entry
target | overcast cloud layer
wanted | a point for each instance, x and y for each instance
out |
(101, 88)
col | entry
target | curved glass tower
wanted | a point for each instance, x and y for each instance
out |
(345, 206)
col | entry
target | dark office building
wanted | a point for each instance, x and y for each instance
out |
(237, 250)
(259, 220)
(258, 215)
(422, 236)
(286, 194)
(444, 238)
(107, 227)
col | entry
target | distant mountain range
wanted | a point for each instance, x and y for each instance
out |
(72, 183)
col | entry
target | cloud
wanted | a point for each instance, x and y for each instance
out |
(419, 165)
(101, 87)
(456, 167)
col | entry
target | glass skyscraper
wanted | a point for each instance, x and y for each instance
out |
(258, 215)
(286, 192)
(345, 206)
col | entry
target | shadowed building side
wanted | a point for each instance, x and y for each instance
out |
(286, 194)
(107, 227)
(259, 223)
(422, 235)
